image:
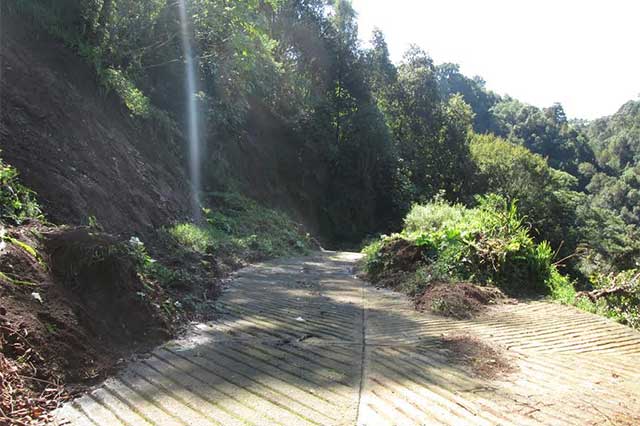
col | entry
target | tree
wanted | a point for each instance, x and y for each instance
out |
(381, 73)
(545, 132)
(544, 195)
(452, 82)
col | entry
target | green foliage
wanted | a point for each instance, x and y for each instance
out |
(437, 214)
(148, 266)
(545, 195)
(616, 139)
(133, 98)
(625, 306)
(620, 194)
(9, 278)
(452, 82)
(588, 233)
(192, 236)
(488, 245)
(430, 135)
(242, 228)
(546, 132)
(17, 202)
(30, 250)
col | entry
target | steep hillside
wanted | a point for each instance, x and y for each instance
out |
(266, 163)
(77, 147)
(87, 157)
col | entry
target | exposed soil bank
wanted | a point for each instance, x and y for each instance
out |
(77, 146)
(73, 305)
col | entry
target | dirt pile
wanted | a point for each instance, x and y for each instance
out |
(457, 300)
(478, 357)
(395, 264)
(402, 256)
(407, 267)
(72, 306)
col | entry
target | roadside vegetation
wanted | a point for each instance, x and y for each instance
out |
(444, 246)
(453, 260)
(240, 228)
(17, 202)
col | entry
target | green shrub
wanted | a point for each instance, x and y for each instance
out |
(434, 215)
(488, 245)
(17, 202)
(133, 98)
(193, 237)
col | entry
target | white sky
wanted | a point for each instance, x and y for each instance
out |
(584, 54)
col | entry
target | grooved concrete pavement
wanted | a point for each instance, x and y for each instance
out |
(304, 342)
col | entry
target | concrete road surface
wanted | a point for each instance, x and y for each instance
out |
(304, 342)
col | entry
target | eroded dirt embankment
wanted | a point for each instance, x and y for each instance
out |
(73, 304)
(76, 146)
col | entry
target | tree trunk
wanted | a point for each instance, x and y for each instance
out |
(103, 21)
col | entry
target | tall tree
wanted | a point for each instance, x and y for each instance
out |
(451, 82)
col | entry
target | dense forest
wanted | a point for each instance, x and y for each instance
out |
(371, 137)
(434, 177)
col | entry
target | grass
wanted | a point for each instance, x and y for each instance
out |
(238, 226)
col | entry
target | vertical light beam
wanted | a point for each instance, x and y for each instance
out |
(193, 118)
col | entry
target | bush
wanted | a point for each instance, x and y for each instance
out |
(433, 216)
(133, 98)
(488, 245)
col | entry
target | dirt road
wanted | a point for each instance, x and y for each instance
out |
(304, 342)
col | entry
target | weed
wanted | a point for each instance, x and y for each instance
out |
(94, 224)
(51, 328)
(25, 247)
(14, 281)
